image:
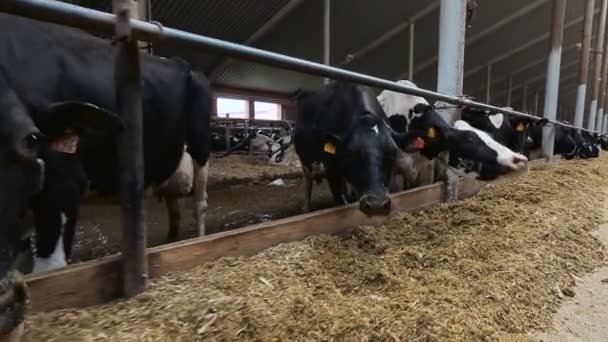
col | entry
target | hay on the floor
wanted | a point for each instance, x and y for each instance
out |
(483, 269)
(244, 168)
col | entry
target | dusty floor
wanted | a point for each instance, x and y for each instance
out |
(99, 229)
(584, 318)
(239, 195)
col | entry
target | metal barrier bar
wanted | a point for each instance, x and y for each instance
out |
(84, 18)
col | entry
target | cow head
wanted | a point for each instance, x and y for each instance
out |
(22, 144)
(365, 155)
(463, 140)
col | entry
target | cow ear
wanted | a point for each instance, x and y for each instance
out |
(79, 117)
(421, 108)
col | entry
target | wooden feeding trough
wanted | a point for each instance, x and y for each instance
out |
(100, 281)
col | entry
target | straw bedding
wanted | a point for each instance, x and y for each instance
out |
(494, 267)
(236, 169)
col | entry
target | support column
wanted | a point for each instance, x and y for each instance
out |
(452, 16)
(411, 51)
(131, 159)
(602, 99)
(452, 30)
(524, 101)
(598, 67)
(553, 72)
(536, 102)
(489, 83)
(509, 90)
(326, 34)
(583, 72)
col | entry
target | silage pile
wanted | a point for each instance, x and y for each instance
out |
(487, 268)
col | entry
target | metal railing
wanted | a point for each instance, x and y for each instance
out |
(84, 18)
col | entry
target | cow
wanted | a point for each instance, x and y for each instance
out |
(508, 131)
(569, 142)
(44, 64)
(342, 130)
(408, 112)
(33, 152)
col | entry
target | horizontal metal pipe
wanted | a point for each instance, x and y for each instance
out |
(84, 18)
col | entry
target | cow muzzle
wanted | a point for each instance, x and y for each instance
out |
(375, 204)
(13, 303)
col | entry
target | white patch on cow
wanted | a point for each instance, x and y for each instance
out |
(505, 156)
(394, 103)
(375, 129)
(181, 181)
(57, 258)
(497, 119)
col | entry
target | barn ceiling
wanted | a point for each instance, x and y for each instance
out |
(511, 35)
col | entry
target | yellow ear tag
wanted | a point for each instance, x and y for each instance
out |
(520, 127)
(431, 133)
(329, 148)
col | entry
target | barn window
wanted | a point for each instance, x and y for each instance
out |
(267, 110)
(232, 108)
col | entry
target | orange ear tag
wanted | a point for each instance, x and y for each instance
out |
(329, 148)
(431, 133)
(520, 127)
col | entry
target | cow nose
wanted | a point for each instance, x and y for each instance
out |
(375, 204)
(13, 302)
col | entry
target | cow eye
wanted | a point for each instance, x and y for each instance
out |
(32, 142)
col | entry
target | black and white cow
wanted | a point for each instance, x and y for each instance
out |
(31, 154)
(407, 112)
(569, 142)
(44, 64)
(343, 129)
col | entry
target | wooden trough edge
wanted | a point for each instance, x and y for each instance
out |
(100, 281)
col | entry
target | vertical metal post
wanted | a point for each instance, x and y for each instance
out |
(144, 12)
(598, 66)
(583, 72)
(411, 51)
(524, 101)
(488, 83)
(536, 102)
(509, 90)
(603, 82)
(326, 34)
(452, 30)
(553, 71)
(452, 17)
(129, 103)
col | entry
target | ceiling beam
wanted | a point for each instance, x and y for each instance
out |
(484, 33)
(388, 35)
(263, 30)
(534, 79)
(526, 67)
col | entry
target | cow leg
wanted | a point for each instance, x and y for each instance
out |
(50, 253)
(201, 175)
(336, 185)
(174, 214)
(307, 187)
(69, 230)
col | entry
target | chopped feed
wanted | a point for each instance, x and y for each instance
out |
(482, 269)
